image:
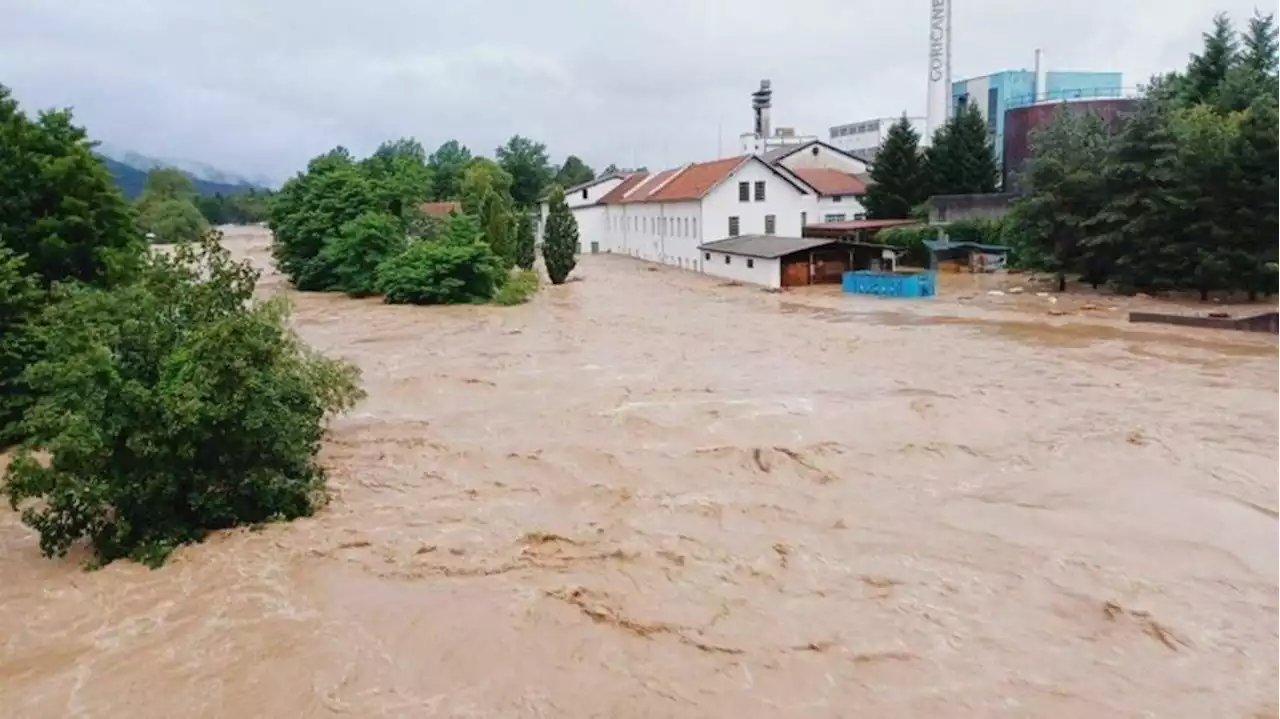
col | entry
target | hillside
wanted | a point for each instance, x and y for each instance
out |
(131, 179)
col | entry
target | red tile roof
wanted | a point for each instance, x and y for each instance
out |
(440, 209)
(861, 224)
(695, 180)
(831, 182)
(615, 195)
(644, 190)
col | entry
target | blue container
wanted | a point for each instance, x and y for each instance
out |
(889, 284)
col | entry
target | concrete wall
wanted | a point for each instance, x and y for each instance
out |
(752, 270)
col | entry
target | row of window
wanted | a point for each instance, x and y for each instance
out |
(744, 191)
(840, 217)
(668, 226)
(727, 260)
(856, 128)
(770, 225)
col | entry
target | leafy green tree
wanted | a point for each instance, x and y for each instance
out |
(352, 258)
(167, 183)
(1064, 193)
(499, 227)
(400, 176)
(526, 161)
(574, 172)
(1208, 70)
(961, 160)
(60, 211)
(897, 178)
(482, 177)
(172, 219)
(447, 164)
(560, 241)
(459, 268)
(526, 251)
(612, 169)
(312, 208)
(170, 407)
(21, 299)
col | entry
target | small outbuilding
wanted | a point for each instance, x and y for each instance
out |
(773, 261)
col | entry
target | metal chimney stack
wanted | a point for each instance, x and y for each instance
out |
(761, 102)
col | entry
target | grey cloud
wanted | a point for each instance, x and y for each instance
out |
(259, 87)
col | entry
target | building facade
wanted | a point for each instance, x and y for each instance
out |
(864, 138)
(995, 94)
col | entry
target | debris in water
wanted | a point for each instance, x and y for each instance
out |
(995, 293)
(1015, 290)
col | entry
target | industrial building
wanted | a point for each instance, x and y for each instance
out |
(863, 139)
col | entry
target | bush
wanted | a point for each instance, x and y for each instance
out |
(560, 243)
(454, 270)
(518, 288)
(351, 259)
(171, 407)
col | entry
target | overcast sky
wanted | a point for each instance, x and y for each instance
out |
(259, 86)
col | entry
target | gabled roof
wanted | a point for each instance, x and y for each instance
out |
(440, 209)
(765, 246)
(617, 193)
(592, 183)
(697, 179)
(778, 154)
(643, 190)
(828, 182)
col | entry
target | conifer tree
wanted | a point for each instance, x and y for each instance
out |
(560, 242)
(961, 160)
(897, 177)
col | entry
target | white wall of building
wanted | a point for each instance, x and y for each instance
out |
(820, 157)
(867, 136)
(755, 270)
(782, 200)
(592, 194)
(591, 227)
(847, 206)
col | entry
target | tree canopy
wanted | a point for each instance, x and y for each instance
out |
(574, 172)
(961, 159)
(447, 165)
(898, 181)
(526, 161)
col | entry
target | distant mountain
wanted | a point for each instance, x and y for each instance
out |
(130, 171)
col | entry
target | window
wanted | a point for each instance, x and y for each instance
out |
(744, 191)
(706, 255)
(726, 259)
(833, 218)
(993, 108)
(584, 194)
(686, 227)
(760, 191)
(695, 227)
(860, 216)
(770, 224)
(804, 218)
(733, 226)
(750, 263)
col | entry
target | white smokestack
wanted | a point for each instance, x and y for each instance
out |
(1042, 77)
(939, 104)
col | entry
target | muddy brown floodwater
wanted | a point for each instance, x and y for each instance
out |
(647, 494)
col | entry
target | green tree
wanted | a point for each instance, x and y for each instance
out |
(1261, 52)
(400, 176)
(526, 161)
(961, 160)
(560, 241)
(170, 407)
(311, 209)
(171, 219)
(1256, 160)
(447, 164)
(1064, 193)
(1208, 70)
(60, 211)
(526, 252)
(21, 300)
(167, 183)
(1140, 218)
(353, 257)
(459, 268)
(574, 172)
(482, 177)
(498, 221)
(612, 169)
(897, 177)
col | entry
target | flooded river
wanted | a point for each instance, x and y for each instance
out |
(647, 494)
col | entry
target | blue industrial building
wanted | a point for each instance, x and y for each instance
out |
(996, 93)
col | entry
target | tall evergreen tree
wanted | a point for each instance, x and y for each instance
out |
(1260, 46)
(961, 159)
(1064, 194)
(560, 241)
(897, 177)
(526, 252)
(1208, 70)
(497, 220)
(1140, 217)
(1256, 157)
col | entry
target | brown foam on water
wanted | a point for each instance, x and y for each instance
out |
(648, 494)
